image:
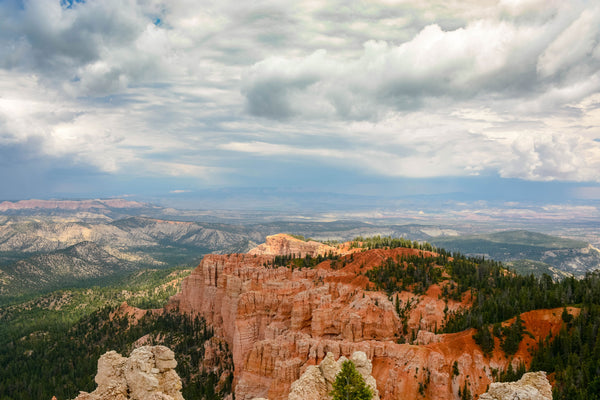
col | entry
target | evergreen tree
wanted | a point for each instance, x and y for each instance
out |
(465, 394)
(485, 340)
(350, 385)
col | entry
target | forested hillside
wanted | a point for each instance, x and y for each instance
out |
(39, 254)
(50, 345)
(556, 256)
(497, 294)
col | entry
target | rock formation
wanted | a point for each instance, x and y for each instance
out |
(279, 322)
(532, 386)
(283, 245)
(148, 374)
(317, 382)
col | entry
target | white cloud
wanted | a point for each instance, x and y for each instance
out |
(573, 46)
(393, 88)
(486, 60)
(551, 156)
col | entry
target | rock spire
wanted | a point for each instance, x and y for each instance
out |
(148, 374)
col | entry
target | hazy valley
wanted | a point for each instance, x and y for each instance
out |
(46, 244)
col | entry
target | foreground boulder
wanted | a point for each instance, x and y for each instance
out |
(148, 374)
(532, 386)
(316, 382)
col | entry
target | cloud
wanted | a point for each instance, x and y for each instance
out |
(88, 48)
(576, 49)
(552, 158)
(230, 93)
(487, 59)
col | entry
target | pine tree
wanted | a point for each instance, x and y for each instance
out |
(465, 394)
(350, 385)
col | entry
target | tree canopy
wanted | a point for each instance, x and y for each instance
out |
(350, 385)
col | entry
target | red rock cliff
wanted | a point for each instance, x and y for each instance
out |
(282, 244)
(278, 322)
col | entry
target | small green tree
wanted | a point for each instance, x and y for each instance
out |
(485, 340)
(455, 371)
(350, 385)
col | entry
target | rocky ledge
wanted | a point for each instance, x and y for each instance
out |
(532, 386)
(148, 374)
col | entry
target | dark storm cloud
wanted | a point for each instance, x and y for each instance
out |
(91, 46)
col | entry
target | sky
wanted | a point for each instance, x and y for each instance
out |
(496, 99)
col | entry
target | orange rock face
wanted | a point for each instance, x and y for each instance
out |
(284, 245)
(278, 322)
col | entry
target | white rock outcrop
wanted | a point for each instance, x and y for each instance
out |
(532, 386)
(317, 381)
(148, 374)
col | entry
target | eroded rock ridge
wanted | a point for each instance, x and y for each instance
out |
(280, 321)
(284, 245)
(148, 374)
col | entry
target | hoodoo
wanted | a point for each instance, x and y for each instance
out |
(285, 245)
(279, 320)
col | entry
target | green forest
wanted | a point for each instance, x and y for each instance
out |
(498, 295)
(62, 362)
(50, 346)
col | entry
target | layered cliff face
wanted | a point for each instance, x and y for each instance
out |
(283, 245)
(280, 321)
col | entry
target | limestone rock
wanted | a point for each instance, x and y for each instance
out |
(317, 382)
(532, 386)
(282, 244)
(329, 368)
(148, 374)
(425, 337)
(310, 386)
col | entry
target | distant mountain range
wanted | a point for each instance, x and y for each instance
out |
(528, 252)
(84, 261)
(45, 244)
(98, 204)
(38, 254)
